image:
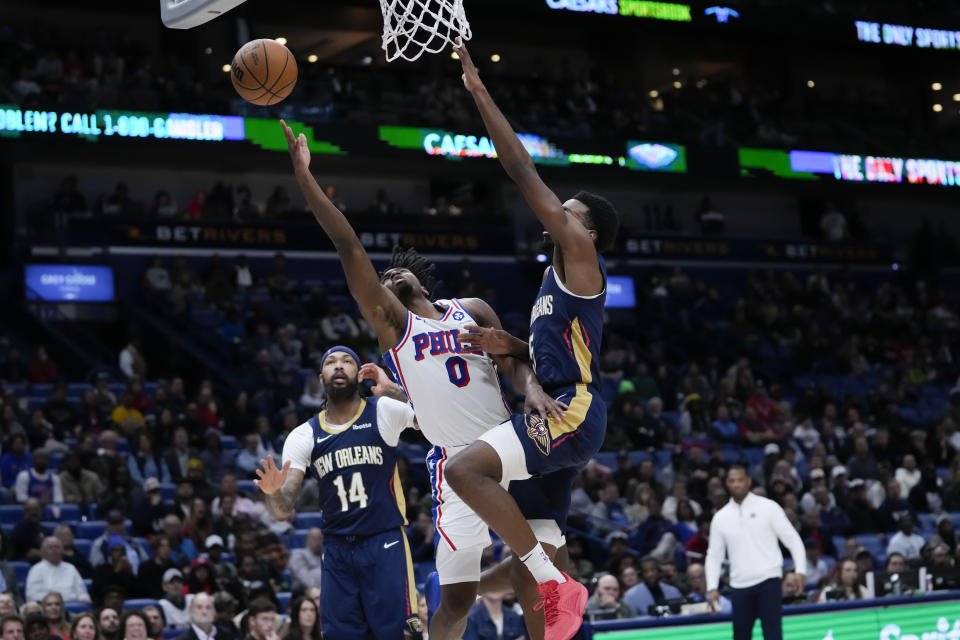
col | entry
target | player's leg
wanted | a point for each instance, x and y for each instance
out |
(389, 595)
(459, 573)
(341, 609)
(459, 540)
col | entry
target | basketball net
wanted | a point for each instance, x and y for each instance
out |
(414, 27)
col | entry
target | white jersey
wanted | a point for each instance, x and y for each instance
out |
(456, 396)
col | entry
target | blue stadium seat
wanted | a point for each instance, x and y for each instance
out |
(56, 459)
(11, 513)
(229, 443)
(308, 520)
(68, 513)
(92, 511)
(283, 597)
(168, 489)
(83, 547)
(831, 563)
(875, 544)
(140, 603)
(172, 634)
(74, 608)
(91, 529)
(20, 569)
(298, 538)
(927, 521)
(420, 572)
(839, 542)
(122, 445)
(246, 486)
(49, 525)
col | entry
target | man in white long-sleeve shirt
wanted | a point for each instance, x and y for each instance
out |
(53, 574)
(748, 529)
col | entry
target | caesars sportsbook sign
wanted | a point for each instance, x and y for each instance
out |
(939, 621)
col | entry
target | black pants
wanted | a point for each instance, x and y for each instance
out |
(762, 601)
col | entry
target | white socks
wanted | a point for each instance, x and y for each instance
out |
(540, 566)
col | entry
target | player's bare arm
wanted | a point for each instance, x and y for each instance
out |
(581, 273)
(281, 487)
(517, 370)
(386, 315)
(495, 342)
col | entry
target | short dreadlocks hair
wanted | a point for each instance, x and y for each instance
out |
(604, 219)
(415, 263)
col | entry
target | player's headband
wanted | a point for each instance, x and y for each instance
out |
(347, 350)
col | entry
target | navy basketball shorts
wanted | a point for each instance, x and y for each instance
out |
(367, 587)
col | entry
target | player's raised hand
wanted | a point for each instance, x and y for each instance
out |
(495, 342)
(270, 479)
(538, 401)
(471, 78)
(297, 145)
(382, 382)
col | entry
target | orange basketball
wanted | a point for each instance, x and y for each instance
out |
(264, 72)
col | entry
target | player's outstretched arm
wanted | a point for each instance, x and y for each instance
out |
(569, 234)
(383, 386)
(377, 304)
(281, 486)
(517, 370)
(494, 342)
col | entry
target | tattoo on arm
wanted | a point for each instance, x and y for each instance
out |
(281, 503)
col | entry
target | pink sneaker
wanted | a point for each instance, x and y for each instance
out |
(563, 605)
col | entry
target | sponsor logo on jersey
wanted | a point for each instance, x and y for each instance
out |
(365, 425)
(458, 315)
(538, 432)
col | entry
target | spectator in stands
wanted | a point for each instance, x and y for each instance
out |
(863, 464)
(893, 505)
(133, 626)
(313, 396)
(79, 486)
(61, 413)
(56, 614)
(224, 572)
(697, 581)
(201, 578)
(925, 496)
(149, 511)
(147, 463)
(844, 585)
(607, 513)
(99, 550)
(817, 568)
(16, 460)
(151, 572)
(70, 554)
(490, 618)
(651, 590)
(116, 571)
(605, 603)
(723, 428)
(164, 206)
(655, 535)
(248, 458)
(11, 627)
(131, 361)
(125, 415)
(120, 492)
(177, 456)
(286, 350)
(27, 537)
(338, 326)
(262, 614)
(109, 621)
(8, 583)
(199, 525)
(905, 541)
(833, 224)
(202, 618)
(35, 625)
(14, 370)
(155, 621)
(183, 551)
(215, 459)
(84, 627)
(42, 370)
(304, 620)
(678, 496)
(305, 563)
(863, 516)
(907, 475)
(174, 604)
(52, 573)
(281, 285)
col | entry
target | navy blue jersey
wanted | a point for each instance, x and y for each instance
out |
(566, 332)
(360, 493)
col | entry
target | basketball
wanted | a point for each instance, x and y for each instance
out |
(264, 72)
